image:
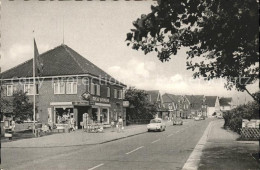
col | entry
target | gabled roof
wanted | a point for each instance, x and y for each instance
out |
(211, 100)
(60, 61)
(172, 97)
(196, 101)
(225, 101)
(153, 95)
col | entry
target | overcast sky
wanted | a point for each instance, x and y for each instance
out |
(97, 30)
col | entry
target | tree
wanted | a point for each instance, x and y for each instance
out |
(140, 108)
(224, 34)
(22, 108)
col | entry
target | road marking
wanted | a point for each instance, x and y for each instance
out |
(134, 150)
(156, 140)
(169, 135)
(96, 166)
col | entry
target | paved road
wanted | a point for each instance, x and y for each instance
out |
(153, 150)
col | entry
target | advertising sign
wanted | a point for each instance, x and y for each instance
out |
(125, 103)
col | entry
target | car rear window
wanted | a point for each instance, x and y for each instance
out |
(155, 121)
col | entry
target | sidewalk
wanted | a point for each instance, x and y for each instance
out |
(76, 138)
(223, 151)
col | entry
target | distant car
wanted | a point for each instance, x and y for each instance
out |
(219, 116)
(197, 118)
(202, 117)
(156, 125)
(177, 121)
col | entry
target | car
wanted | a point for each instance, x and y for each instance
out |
(202, 117)
(156, 124)
(197, 118)
(219, 116)
(177, 121)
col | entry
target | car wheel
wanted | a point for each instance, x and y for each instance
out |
(161, 129)
(148, 130)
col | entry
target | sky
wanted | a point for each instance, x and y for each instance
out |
(97, 30)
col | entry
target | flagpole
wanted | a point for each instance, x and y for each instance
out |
(34, 90)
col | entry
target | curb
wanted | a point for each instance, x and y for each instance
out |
(97, 143)
(194, 159)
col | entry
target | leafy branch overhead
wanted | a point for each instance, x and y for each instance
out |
(224, 34)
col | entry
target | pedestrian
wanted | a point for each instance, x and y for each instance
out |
(112, 125)
(72, 123)
(120, 124)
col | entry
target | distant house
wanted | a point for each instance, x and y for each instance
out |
(198, 105)
(180, 105)
(213, 106)
(226, 103)
(69, 85)
(155, 98)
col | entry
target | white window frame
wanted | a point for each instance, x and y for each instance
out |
(98, 90)
(120, 92)
(7, 90)
(115, 93)
(73, 87)
(28, 91)
(92, 88)
(58, 91)
(108, 91)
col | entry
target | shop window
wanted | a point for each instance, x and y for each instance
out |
(108, 91)
(59, 88)
(10, 90)
(115, 93)
(71, 88)
(104, 116)
(28, 89)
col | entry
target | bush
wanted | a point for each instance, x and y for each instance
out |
(233, 118)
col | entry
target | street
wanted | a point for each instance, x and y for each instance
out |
(154, 150)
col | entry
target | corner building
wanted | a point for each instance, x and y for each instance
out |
(69, 84)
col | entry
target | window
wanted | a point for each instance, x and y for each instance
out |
(120, 94)
(28, 88)
(108, 91)
(59, 88)
(71, 88)
(98, 90)
(115, 93)
(10, 90)
(92, 88)
(95, 89)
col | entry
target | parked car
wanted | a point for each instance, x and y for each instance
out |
(156, 124)
(197, 118)
(177, 121)
(202, 117)
(219, 116)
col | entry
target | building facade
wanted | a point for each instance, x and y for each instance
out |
(68, 85)
(213, 106)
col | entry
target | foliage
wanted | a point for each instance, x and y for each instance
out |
(224, 34)
(233, 118)
(140, 108)
(22, 108)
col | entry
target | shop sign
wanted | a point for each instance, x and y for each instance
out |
(81, 103)
(86, 95)
(100, 99)
(125, 103)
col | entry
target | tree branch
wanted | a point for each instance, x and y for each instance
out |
(254, 97)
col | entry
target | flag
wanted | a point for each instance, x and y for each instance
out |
(38, 61)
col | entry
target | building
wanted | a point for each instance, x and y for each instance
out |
(198, 105)
(179, 104)
(69, 85)
(155, 98)
(226, 103)
(213, 107)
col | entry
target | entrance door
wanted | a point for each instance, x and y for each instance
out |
(81, 111)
